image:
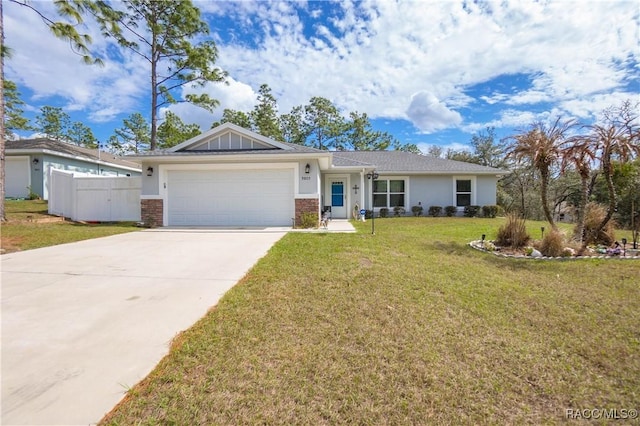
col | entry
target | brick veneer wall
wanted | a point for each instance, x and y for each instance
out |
(151, 212)
(310, 205)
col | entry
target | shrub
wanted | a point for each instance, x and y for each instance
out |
(32, 195)
(417, 210)
(368, 214)
(398, 211)
(308, 220)
(471, 211)
(490, 211)
(435, 211)
(513, 233)
(384, 212)
(552, 244)
(594, 213)
(450, 211)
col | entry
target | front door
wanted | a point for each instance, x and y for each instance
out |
(338, 198)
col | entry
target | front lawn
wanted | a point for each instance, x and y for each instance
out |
(29, 226)
(409, 326)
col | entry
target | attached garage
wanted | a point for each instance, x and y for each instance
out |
(254, 197)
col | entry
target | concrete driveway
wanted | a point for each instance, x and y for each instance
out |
(83, 322)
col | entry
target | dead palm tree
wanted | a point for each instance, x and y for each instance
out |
(617, 138)
(578, 153)
(541, 146)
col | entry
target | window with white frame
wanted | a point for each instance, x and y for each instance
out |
(463, 192)
(389, 193)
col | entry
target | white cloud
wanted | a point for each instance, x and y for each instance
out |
(429, 114)
(398, 60)
(386, 51)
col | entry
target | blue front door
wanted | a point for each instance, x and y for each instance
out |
(338, 199)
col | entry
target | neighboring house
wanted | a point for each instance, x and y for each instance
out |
(231, 176)
(28, 163)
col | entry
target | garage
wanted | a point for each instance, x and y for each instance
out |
(261, 197)
(17, 177)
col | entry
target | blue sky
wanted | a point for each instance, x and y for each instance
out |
(429, 72)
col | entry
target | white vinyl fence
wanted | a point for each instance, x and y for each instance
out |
(84, 197)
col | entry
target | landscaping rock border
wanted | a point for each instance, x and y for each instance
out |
(479, 245)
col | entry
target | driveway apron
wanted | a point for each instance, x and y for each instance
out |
(84, 322)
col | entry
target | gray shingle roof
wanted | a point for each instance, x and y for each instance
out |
(295, 149)
(406, 162)
(42, 144)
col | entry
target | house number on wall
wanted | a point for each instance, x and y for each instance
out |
(306, 177)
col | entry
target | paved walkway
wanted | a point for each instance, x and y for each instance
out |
(334, 225)
(83, 322)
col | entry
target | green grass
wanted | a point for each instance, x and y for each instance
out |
(409, 326)
(27, 227)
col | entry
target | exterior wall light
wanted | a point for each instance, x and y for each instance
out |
(307, 168)
(35, 161)
(149, 171)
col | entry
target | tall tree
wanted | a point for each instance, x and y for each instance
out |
(435, 151)
(162, 33)
(265, 114)
(239, 118)
(541, 147)
(53, 122)
(292, 126)
(82, 135)
(3, 52)
(578, 154)
(460, 155)
(617, 137)
(174, 131)
(133, 136)
(322, 123)
(487, 151)
(68, 10)
(358, 135)
(13, 118)
(406, 147)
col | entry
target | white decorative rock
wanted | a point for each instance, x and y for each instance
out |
(536, 253)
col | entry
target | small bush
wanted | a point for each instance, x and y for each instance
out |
(490, 211)
(471, 211)
(398, 211)
(308, 220)
(417, 210)
(32, 195)
(368, 214)
(384, 212)
(594, 213)
(450, 211)
(552, 244)
(513, 233)
(435, 211)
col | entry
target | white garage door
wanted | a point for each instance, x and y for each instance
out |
(230, 197)
(17, 177)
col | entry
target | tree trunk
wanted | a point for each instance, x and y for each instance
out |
(2, 130)
(584, 199)
(154, 92)
(613, 202)
(544, 177)
(154, 108)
